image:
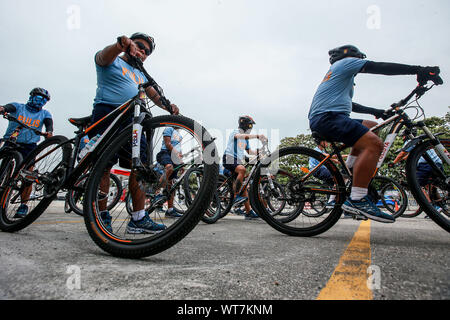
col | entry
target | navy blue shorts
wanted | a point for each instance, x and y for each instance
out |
(424, 173)
(164, 158)
(230, 163)
(338, 127)
(124, 155)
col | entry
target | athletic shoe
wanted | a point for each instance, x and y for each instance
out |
(239, 200)
(106, 218)
(368, 209)
(21, 212)
(239, 212)
(145, 225)
(173, 213)
(251, 215)
(330, 205)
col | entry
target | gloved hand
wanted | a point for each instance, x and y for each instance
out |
(429, 73)
(383, 114)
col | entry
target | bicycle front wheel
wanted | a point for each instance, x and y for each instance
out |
(388, 195)
(431, 186)
(118, 234)
(295, 214)
(35, 184)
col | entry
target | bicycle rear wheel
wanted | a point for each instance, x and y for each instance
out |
(434, 197)
(289, 168)
(35, 184)
(118, 240)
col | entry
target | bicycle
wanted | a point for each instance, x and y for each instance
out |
(302, 185)
(52, 167)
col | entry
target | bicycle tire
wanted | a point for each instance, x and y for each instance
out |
(125, 246)
(226, 194)
(440, 219)
(49, 190)
(73, 196)
(212, 214)
(301, 227)
(399, 207)
(9, 164)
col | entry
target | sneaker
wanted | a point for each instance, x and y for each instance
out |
(239, 200)
(330, 205)
(21, 212)
(239, 212)
(368, 209)
(106, 218)
(173, 213)
(251, 215)
(437, 208)
(145, 225)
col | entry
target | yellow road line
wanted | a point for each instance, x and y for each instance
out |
(349, 279)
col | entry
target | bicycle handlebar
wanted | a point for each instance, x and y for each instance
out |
(419, 91)
(21, 124)
(151, 82)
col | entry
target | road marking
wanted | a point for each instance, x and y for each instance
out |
(349, 279)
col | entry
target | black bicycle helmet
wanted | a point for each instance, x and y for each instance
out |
(246, 122)
(145, 37)
(40, 92)
(339, 53)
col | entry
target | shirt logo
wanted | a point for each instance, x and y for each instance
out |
(327, 77)
(29, 121)
(132, 76)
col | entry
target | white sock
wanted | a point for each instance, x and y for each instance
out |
(350, 161)
(138, 215)
(358, 193)
(332, 198)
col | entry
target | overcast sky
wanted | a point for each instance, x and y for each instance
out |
(218, 59)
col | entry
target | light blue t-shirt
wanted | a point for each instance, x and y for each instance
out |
(335, 93)
(236, 147)
(117, 83)
(175, 139)
(31, 119)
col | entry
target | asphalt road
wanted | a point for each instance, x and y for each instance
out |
(233, 259)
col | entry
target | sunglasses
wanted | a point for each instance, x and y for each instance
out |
(141, 46)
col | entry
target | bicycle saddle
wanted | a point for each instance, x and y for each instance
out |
(318, 138)
(80, 122)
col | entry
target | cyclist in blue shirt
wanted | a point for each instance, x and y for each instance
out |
(117, 82)
(234, 157)
(33, 115)
(170, 156)
(329, 116)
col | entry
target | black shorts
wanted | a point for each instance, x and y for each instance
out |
(338, 127)
(124, 155)
(230, 163)
(164, 158)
